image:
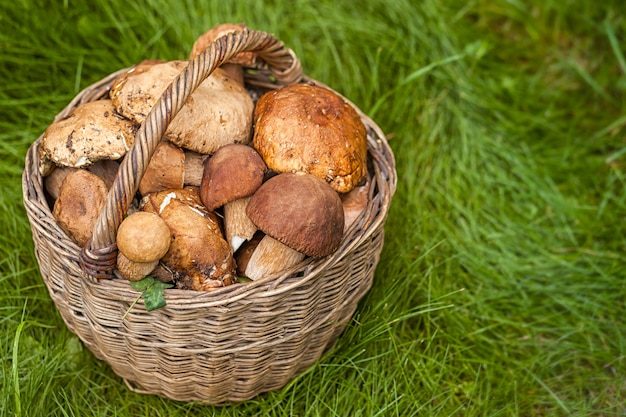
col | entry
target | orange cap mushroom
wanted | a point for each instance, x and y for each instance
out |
(311, 129)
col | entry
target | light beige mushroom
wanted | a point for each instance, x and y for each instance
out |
(81, 198)
(199, 256)
(142, 240)
(308, 128)
(91, 132)
(218, 112)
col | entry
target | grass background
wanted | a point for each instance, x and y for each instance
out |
(501, 287)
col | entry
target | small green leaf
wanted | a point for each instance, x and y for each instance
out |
(153, 296)
(142, 285)
(151, 292)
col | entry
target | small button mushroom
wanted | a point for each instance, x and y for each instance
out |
(231, 175)
(308, 128)
(91, 132)
(199, 256)
(245, 251)
(301, 212)
(171, 167)
(218, 112)
(81, 198)
(142, 240)
(234, 67)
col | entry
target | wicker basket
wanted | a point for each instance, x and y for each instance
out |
(216, 347)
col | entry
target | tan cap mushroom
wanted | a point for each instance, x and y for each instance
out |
(235, 64)
(142, 239)
(171, 167)
(199, 257)
(308, 128)
(81, 198)
(105, 169)
(218, 112)
(91, 132)
(231, 175)
(299, 210)
(208, 37)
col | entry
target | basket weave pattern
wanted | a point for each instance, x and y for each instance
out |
(215, 347)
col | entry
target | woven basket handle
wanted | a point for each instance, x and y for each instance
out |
(98, 258)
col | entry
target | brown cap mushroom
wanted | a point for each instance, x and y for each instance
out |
(234, 65)
(234, 171)
(217, 113)
(308, 128)
(171, 167)
(199, 257)
(231, 175)
(91, 132)
(81, 198)
(142, 239)
(300, 211)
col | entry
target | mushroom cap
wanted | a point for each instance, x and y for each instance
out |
(91, 132)
(81, 198)
(308, 128)
(208, 37)
(218, 112)
(301, 211)
(143, 237)
(234, 171)
(199, 256)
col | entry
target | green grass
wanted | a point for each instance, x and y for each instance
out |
(501, 289)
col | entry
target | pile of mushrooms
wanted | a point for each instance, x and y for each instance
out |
(236, 188)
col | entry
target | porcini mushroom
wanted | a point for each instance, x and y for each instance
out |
(298, 213)
(171, 167)
(105, 169)
(234, 66)
(81, 198)
(199, 256)
(142, 240)
(91, 132)
(231, 175)
(354, 203)
(218, 112)
(308, 128)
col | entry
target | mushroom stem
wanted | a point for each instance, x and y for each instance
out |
(237, 226)
(134, 271)
(271, 257)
